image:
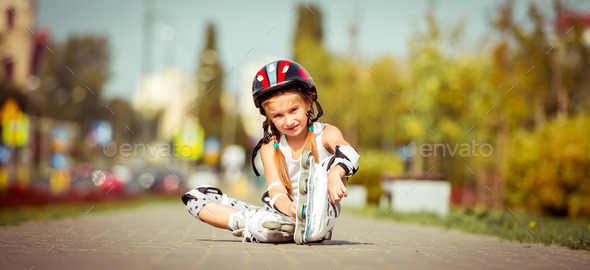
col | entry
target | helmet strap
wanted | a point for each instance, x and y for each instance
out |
(311, 113)
(320, 110)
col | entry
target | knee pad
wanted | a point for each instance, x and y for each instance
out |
(197, 198)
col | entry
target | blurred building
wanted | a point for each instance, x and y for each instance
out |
(20, 44)
(168, 95)
(567, 20)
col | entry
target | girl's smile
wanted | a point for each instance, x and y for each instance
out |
(293, 128)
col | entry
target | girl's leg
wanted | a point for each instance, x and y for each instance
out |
(216, 214)
(211, 206)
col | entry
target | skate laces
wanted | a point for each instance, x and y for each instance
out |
(247, 234)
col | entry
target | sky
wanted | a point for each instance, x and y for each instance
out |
(248, 31)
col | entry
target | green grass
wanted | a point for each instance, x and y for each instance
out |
(523, 227)
(17, 215)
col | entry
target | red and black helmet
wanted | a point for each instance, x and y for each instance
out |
(278, 74)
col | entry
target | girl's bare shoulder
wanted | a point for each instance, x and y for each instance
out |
(331, 137)
(331, 132)
(267, 149)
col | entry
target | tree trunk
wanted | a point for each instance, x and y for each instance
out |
(539, 110)
(561, 93)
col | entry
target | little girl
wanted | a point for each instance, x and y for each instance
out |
(284, 92)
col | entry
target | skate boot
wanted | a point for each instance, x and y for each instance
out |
(315, 215)
(266, 226)
(237, 222)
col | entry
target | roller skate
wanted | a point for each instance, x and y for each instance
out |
(258, 220)
(315, 217)
(268, 227)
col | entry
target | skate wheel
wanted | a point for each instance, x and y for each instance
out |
(288, 228)
(298, 237)
(303, 184)
(271, 225)
(305, 157)
(301, 212)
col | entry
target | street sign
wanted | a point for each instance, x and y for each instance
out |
(189, 141)
(15, 124)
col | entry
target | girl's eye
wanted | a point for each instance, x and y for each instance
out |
(276, 116)
(294, 110)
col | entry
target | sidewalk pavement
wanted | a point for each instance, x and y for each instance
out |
(165, 236)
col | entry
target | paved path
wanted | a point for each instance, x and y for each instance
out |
(165, 236)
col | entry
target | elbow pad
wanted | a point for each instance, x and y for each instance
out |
(347, 157)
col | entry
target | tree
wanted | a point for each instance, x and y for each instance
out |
(545, 168)
(210, 78)
(73, 78)
(309, 32)
(125, 121)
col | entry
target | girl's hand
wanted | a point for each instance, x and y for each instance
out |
(293, 211)
(336, 187)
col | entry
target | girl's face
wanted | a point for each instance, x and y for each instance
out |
(288, 113)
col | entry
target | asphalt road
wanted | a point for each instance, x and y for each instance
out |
(165, 236)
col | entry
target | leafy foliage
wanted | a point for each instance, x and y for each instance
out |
(210, 86)
(515, 94)
(374, 164)
(73, 78)
(548, 169)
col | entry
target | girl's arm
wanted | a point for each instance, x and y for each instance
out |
(332, 140)
(278, 191)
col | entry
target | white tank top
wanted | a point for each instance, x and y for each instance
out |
(293, 166)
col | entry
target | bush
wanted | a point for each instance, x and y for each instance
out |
(549, 170)
(373, 164)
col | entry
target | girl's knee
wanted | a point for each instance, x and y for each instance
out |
(197, 199)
